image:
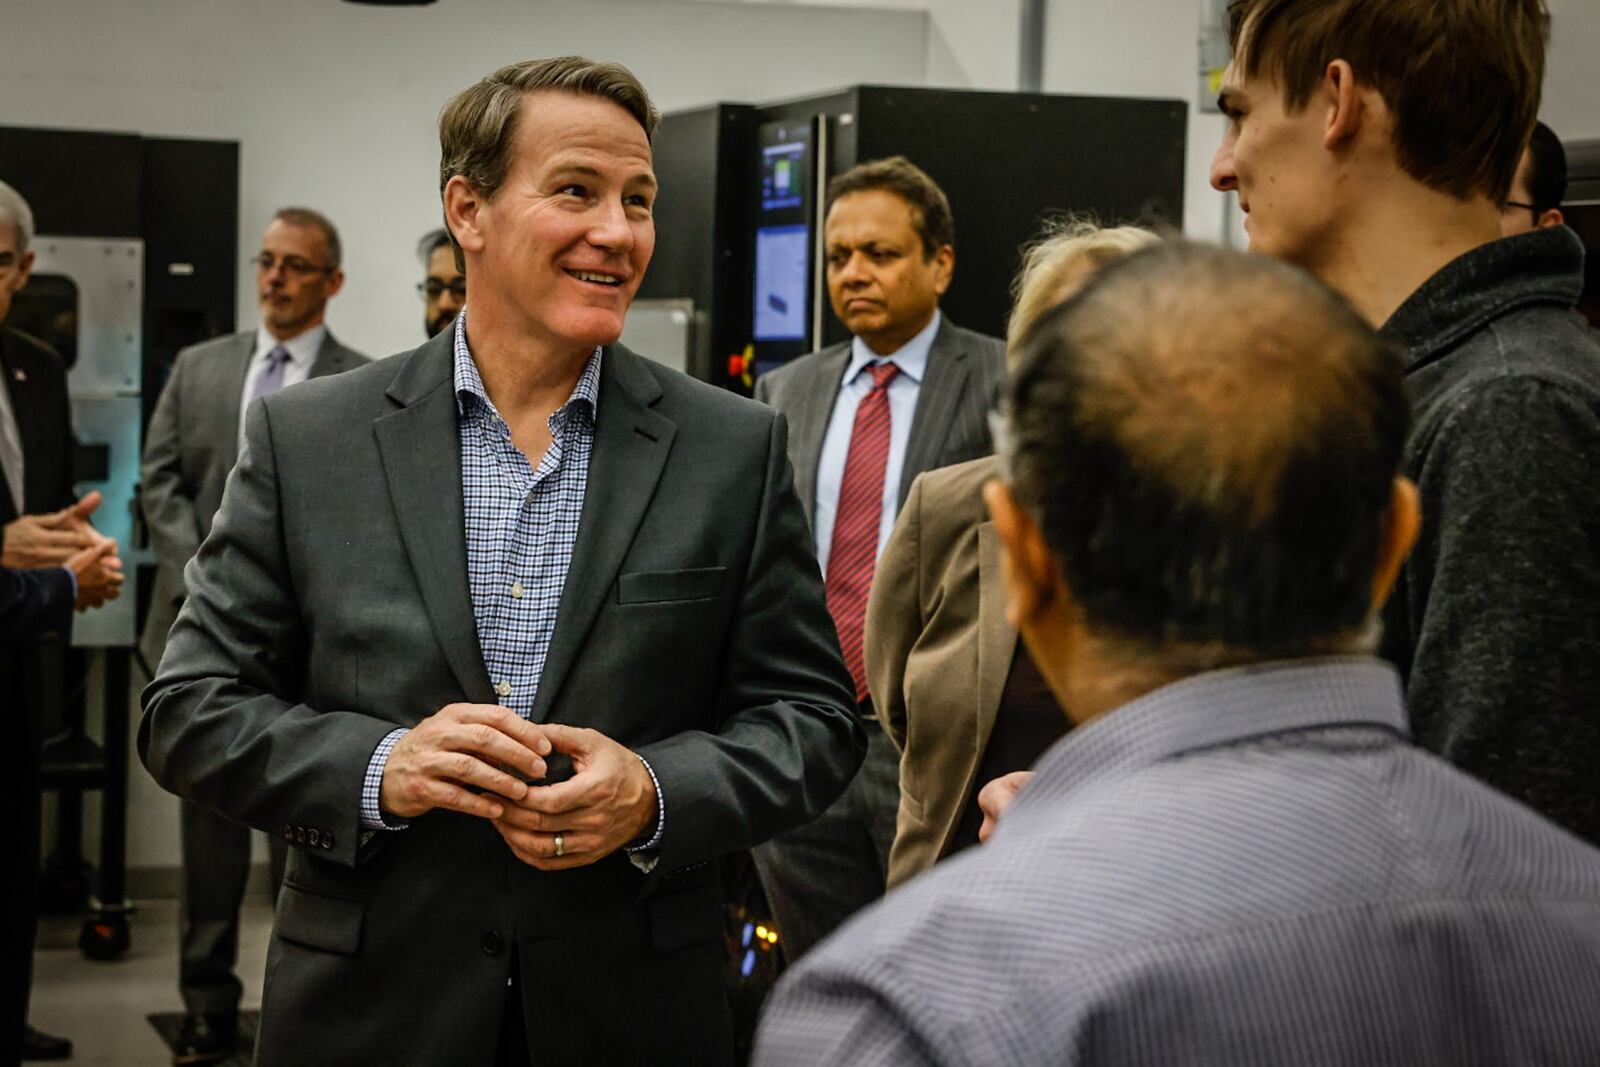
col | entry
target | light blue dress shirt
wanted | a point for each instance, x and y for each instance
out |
(912, 359)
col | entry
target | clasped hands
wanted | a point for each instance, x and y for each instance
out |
(66, 539)
(473, 758)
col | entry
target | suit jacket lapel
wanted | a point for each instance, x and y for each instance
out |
(810, 423)
(332, 357)
(631, 444)
(997, 641)
(231, 378)
(941, 391)
(21, 410)
(420, 446)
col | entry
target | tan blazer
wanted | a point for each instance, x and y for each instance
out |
(939, 647)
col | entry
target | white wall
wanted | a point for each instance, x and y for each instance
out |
(334, 103)
(334, 107)
(1572, 78)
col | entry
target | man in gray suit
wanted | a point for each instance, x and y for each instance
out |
(910, 392)
(192, 443)
(510, 636)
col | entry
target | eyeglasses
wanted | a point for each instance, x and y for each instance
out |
(1509, 204)
(300, 268)
(433, 288)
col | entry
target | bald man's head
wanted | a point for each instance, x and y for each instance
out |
(1208, 442)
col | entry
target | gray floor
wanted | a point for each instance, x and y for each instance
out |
(102, 1006)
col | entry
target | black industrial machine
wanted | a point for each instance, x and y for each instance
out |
(739, 217)
(136, 256)
(1582, 209)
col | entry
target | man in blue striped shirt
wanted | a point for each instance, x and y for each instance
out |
(1237, 856)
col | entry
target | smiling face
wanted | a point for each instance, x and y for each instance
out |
(561, 249)
(883, 286)
(1288, 183)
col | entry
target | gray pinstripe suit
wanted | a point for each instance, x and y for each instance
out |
(817, 876)
(1249, 866)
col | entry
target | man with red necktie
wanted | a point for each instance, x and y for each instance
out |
(909, 392)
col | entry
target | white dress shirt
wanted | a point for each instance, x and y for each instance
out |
(303, 349)
(912, 359)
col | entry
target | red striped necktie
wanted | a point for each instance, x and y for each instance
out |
(853, 555)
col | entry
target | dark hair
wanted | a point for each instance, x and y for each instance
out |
(1209, 441)
(479, 124)
(304, 216)
(1462, 77)
(1547, 169)
(930, 210)
(431, 242)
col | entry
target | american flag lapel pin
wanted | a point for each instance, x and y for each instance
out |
(20, 375)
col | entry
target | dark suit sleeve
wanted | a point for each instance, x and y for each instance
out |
(221, 723)
(168, 505)
(33, 602)
(788, 741)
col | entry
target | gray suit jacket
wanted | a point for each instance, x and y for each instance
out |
(951, 424)
(189, 449)
(331, 603)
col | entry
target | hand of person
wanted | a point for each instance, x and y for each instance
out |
(459, 749)
(996, 797)
(51, 539)
(609, 801)
(99, 574)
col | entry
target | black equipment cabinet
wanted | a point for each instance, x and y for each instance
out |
(175, 203)
(1007, 161)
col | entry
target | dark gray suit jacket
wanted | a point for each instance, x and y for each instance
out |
(190, 447)
(331, 603)
(951, 424)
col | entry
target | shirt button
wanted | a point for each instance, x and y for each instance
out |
(516, 590)
(504, 689)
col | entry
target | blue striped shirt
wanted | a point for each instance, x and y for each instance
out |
(1248, 866)
(521, 529)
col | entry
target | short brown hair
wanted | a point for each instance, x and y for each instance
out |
(479, 124)
(316, 220)
(1462, 77)
(930, 211)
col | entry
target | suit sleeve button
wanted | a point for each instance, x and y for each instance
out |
(492, 943)
(327, 839)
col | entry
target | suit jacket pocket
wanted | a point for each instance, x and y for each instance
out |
(687, 915)
(654, 587)
(332, 924)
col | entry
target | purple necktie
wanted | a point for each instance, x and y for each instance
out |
(270, 380)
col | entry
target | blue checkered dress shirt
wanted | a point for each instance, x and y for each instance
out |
(521, 528)
(1251, 866)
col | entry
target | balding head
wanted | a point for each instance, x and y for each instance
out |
(1208, 443)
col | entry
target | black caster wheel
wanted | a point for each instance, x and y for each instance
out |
(105, 935)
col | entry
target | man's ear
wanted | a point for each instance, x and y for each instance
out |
(462, 208)
(1345, 105)
(1399, 533)
(1030, 572)
(1550, 216)
(944, 265)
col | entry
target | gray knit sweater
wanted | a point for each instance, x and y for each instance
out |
(1496, 620)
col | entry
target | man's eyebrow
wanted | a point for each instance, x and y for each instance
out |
(584, 170)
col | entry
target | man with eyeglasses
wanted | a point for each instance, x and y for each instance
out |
(194, 438)
(1539, 186)
(445, 289)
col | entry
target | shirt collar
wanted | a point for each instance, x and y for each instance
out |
(469, 387)
(302, 347)
(1541, 267)
(911, 357)
(1216, 709)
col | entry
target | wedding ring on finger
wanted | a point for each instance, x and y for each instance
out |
(561, 848)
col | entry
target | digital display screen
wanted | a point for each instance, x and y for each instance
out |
(783, 278)
(783, 176)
